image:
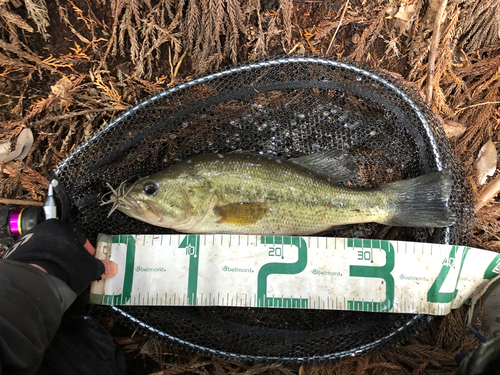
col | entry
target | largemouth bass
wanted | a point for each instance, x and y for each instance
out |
(242, 193)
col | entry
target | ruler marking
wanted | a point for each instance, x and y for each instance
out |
(314, 300)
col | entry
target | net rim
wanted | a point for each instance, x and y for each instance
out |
(262, 358)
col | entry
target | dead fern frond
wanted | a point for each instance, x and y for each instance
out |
(55, 62)
(13, 19)
(37, 10)
(372, 32)
(130, 20)
(443, 67)
(109, 91)
(222, 22)
(286, 10)
(63, 15)
(237, 23)
(476, 75)
(38, 107)
(19, 48)
(481, 24)
(480, 123)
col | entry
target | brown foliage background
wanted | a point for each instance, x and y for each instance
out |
(67, 67)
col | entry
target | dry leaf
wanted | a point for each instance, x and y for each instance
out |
(453, 129)
(23, 147)
(24, 142)
(486, 162)
(62, 90)
(4, 150)
(405, 13)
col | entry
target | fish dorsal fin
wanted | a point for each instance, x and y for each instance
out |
(335, 164)
(241, 213)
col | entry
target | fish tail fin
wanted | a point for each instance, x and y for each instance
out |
(420, 201)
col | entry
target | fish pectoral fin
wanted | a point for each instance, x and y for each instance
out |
(200, 192)
(241, 213)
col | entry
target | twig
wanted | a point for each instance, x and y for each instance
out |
(170, 62)
(489, 191)
(474, 105)
(293, 49)
(179, 64)
(70, 115)
(21, 202)
(433, 50)
(329, 50)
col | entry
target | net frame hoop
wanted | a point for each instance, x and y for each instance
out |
(254, 358)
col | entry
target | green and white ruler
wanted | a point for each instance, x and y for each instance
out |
(291, 272)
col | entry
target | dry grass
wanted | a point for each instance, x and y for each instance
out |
(65, 72)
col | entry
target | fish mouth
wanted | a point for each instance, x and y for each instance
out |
(141, 210)
(130, 206)
(124, 203)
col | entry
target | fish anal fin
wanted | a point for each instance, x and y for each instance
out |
(241, 213)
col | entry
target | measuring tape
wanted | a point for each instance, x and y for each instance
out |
(291, 272)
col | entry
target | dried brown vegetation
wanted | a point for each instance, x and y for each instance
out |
(69, 66)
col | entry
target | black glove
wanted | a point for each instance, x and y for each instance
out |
(58, 248)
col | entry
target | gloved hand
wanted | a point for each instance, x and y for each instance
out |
(61, 250)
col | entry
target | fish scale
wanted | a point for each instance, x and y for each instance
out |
(241, 193)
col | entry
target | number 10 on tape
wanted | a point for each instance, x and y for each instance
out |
(291, 272)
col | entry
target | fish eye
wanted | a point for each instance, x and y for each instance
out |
(150, 189)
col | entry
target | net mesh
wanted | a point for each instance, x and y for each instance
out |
(285, 107)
